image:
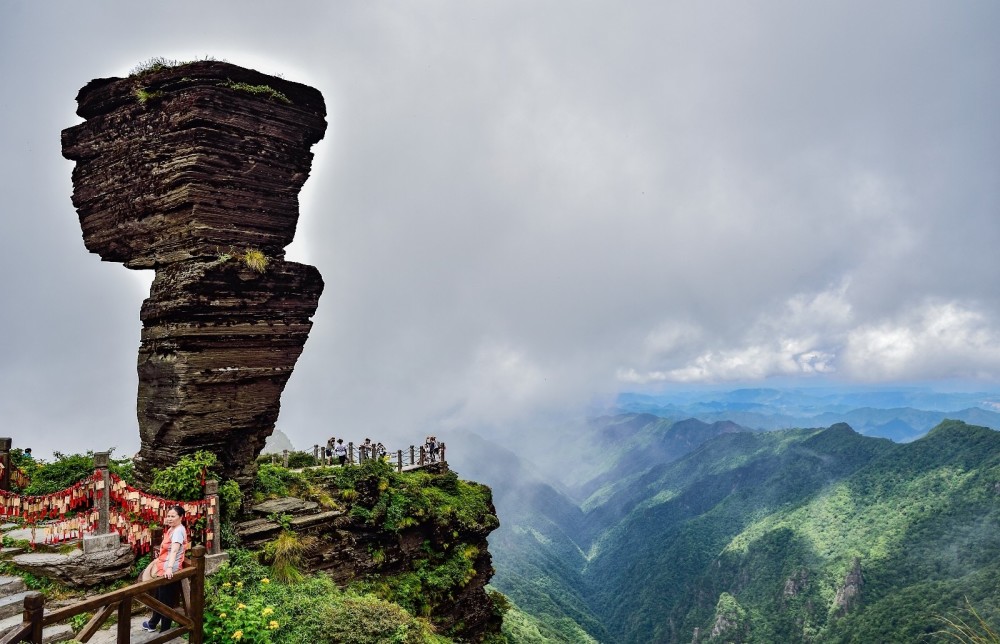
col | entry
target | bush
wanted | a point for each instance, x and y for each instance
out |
(66, 471)
(244, 605)
(301, 459)
(231, 500)
(430, 582)
(184, 481)
(274, 480)
(363, 619)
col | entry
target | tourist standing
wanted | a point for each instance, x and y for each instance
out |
(340, 451)
(169, 560)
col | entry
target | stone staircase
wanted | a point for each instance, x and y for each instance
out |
(12, 594)
(301, 516)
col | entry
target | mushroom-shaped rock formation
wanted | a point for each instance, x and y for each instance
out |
(194, 170)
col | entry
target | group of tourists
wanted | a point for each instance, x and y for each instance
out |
(432, 446)
(367, 450)
(335, 451)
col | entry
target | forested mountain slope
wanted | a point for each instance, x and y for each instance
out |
(773, 523)
(537, 557)
(763, 537)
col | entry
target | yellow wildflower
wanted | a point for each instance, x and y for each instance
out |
(238, 635)
(222, 615)
(239, 584)
(272, 624)
(267, 611)
(226, 585)
(265, 580)
(240, 606)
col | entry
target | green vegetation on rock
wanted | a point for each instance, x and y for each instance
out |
(257, 90)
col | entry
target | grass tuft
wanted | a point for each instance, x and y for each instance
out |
(256, 90)
(286, 554)
(974, 631)
(255, 260)
(144, 96)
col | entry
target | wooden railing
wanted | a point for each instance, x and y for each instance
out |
(119, 602)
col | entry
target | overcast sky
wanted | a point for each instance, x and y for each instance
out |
(523, 207)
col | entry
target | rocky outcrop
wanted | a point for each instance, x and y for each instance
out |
(78, 569)
(849, 594)
(731, 621)
(349, 549)
(194, 171)
(795, 584)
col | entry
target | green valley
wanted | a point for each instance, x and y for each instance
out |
(689, 531)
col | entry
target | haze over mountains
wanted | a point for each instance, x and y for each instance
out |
(677, 519)
(898, 414)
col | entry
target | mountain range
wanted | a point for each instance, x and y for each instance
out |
(646, 528)
(898, 414)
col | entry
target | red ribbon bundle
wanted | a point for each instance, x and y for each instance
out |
(131, 511)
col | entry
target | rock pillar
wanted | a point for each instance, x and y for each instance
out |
(194, 171)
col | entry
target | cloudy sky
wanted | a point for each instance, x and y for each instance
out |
(524, 207)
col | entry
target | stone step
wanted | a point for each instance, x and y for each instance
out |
(10, 585)
(7, 553)
(313, 519)
(256, 528)
(8, 623)
(57, 633)
(54, 633)
(286, 505)
(21, 534)
(12, 604)
(137, 634)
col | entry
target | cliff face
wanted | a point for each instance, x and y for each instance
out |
(437, 567)
(194, 171)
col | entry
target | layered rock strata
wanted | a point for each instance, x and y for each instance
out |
(194, 171)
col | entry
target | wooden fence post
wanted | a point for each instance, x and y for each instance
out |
(316, 454)
(214, 516)
(284, 458)
(34, 610)
(124, 632)
(413, 460)
(441, 447)
(350, 453)
(423, 454)
(5, 444)
(399, 460)
(101, 462)
(197, 607)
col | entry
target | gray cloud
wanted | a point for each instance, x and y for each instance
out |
(520, 206)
